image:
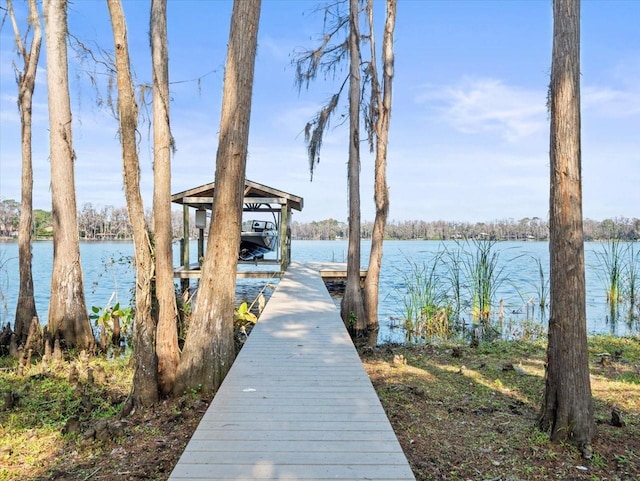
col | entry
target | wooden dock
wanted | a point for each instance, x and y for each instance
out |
(297, 403)
(329, 271)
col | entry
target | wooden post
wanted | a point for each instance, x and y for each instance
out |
(184, 283)
(200, 246)
(285, 255)
(185, 235)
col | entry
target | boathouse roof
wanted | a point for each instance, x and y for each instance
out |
(201, 196)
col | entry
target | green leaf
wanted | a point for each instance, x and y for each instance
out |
(242, 314)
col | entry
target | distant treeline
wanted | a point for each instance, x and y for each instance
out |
(110, 223)
(527, 228)
(104, 223)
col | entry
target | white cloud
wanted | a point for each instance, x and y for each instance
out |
(485, 105)
(611, 102)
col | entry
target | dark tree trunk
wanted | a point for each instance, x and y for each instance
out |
(167, 332)
(567, 411)
(352, 307)
(382, 118)
(209, 349)
(144, 389)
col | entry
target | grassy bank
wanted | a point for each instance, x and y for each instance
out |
(470, 413)
(459, 412)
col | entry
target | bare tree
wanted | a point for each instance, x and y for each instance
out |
(359, 313)
(167, 337)
(68, 316)
(352, 306)
(209, 349)
(144, 389)
(567, 411)
(26, 78)
(378, 128)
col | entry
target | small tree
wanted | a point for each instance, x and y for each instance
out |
(567, 410)
(359, 313)
(26, 78)
(378, 128)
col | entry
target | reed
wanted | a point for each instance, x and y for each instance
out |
(483, 275)
(542, 286)
(426, 312)
(631, 273)
(4, 282)
(453, 263)
(610, 258)
(630, 287)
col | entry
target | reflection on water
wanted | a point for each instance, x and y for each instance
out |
(107, 270)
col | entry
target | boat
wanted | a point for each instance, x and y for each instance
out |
(262, 237)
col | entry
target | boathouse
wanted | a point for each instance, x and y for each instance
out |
(258, 199)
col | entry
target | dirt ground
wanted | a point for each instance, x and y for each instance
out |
(471, 414)
(459, 413)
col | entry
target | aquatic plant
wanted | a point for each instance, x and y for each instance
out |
(4, 281)
(631, 273)
(539, 282)
(115, 322)
(610, 259)
(427, 311)
(483, 276)
(453, 264)
(525, 330)
(243, 314)
(618, 268)
(630, 286)
(541, 286)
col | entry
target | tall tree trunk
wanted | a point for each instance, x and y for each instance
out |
(167, 337)
(352, 307)
(567, 411)
(381, 191)
(68, 316)
(26, 306)
(144, 389)
(209, 349)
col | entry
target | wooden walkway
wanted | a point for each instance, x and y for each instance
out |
(297, 403)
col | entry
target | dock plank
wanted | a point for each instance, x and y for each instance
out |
(297, 403)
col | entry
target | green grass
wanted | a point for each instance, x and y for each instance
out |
(47, 400)
(44, 403)
(628, 347)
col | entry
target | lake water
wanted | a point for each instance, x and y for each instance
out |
(108, 276)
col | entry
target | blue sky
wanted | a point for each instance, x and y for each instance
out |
(469, 131)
